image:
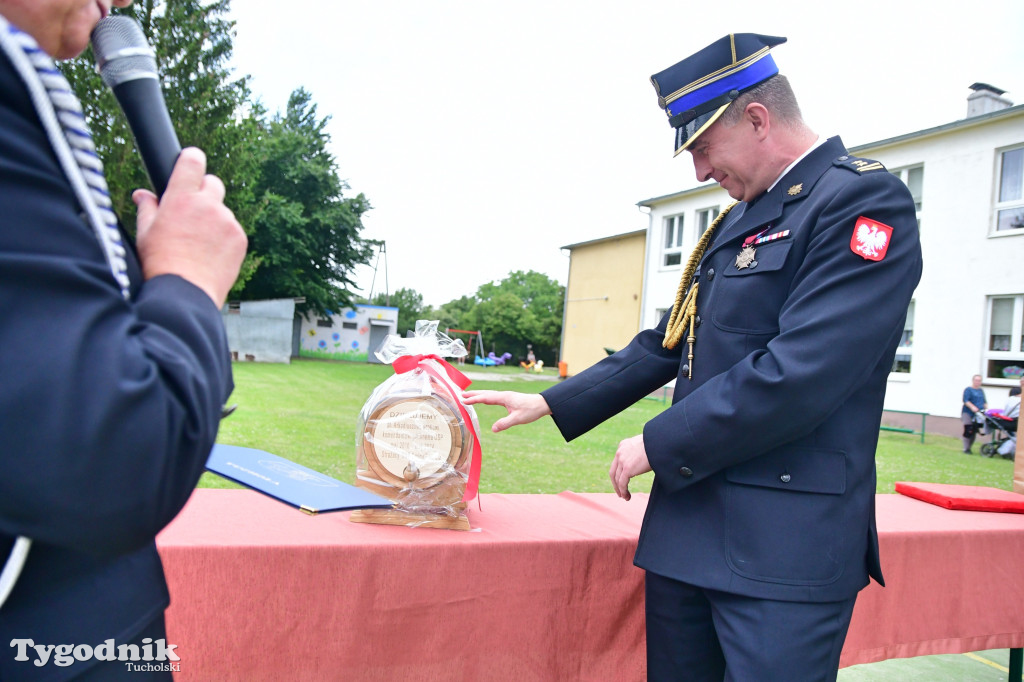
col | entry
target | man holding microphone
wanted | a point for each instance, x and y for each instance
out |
(115, 363)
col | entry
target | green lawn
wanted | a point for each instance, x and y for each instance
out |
(307, 412)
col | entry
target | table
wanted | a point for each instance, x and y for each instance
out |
(543, 589)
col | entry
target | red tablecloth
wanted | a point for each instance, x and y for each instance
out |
(543, 589)
(954, 583)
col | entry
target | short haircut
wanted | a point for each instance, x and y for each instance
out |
(775, 94)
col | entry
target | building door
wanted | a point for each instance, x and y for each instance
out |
(378, 332)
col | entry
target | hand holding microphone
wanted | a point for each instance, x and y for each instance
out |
(187, 231)
(127, 65)
(190, 232)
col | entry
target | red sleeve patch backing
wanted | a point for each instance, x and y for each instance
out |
(870, 239)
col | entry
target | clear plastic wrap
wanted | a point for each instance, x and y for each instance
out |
(416, 441)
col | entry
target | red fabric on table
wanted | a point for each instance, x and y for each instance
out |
(955, 583)
(967, 497)
(543, 589)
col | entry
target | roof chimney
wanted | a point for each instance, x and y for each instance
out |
(985, 99)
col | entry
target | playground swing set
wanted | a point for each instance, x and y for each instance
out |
(490, 360)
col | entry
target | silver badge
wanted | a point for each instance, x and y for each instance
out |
(745, 257)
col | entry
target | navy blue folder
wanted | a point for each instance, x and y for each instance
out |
(288, 482)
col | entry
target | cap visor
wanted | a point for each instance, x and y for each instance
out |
(686, 134)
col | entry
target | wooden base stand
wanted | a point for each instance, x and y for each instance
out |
(397, 517)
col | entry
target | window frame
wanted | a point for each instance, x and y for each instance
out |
(712, 213)
(903, 173)
(1002, 358)
(672, 231)
(999, 205)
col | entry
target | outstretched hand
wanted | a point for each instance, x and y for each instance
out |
(523, 408)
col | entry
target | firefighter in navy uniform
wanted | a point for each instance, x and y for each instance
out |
(760, 527)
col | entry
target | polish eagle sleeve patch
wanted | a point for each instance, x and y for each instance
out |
(870, 239)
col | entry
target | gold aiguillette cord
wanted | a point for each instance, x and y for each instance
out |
(684, 309)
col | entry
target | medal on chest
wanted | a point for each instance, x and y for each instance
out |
(745, 258)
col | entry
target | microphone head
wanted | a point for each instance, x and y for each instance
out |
(122, 52)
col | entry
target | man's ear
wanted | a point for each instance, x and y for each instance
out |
(757, 116)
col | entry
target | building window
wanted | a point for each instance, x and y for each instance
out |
(913, 178)
(349, 325)
(672, 251)
(324, 322)
(1010, 202)
(904, 352)
(1004, 354)
(704, 219)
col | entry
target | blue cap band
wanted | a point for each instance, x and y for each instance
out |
(761, 70)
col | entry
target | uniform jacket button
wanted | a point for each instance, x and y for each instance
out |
(785, 478)
(711, 274)
(686, 471)
(685, 369)
(696, 321)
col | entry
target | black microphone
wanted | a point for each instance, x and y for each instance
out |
(127, 64)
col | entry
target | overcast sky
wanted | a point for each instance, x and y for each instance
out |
(487, 135)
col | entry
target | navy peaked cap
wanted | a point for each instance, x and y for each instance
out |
(697, 90)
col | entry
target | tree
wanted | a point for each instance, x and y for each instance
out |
(455, 314)
(306, 233)
(193, 43)
(524, 308)
(410, 308)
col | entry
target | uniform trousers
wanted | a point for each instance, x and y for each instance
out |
(701, 635)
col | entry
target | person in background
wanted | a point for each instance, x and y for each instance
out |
(760, 529)
(115, 365)
(530, 360)
(1012, 408)
(973, 409)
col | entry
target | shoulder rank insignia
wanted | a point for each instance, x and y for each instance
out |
(870, 239)
(859, 165)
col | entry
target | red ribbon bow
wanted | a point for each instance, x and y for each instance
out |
(407, 363)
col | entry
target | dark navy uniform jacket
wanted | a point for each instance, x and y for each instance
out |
(764, 464)
(108, 407)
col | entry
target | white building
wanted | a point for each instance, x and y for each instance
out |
(967, 316)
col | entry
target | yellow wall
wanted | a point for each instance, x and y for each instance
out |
(603, 298)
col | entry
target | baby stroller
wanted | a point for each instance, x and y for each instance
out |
(1004, 435)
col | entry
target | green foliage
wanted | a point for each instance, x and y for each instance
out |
(307, 232)
(410, 308)
(193, 43)
(455, 314)
(282, 183)
(524, 308)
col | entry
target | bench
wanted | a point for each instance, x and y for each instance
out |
(903, 429)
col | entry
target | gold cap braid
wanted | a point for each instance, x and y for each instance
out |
(684, 310)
